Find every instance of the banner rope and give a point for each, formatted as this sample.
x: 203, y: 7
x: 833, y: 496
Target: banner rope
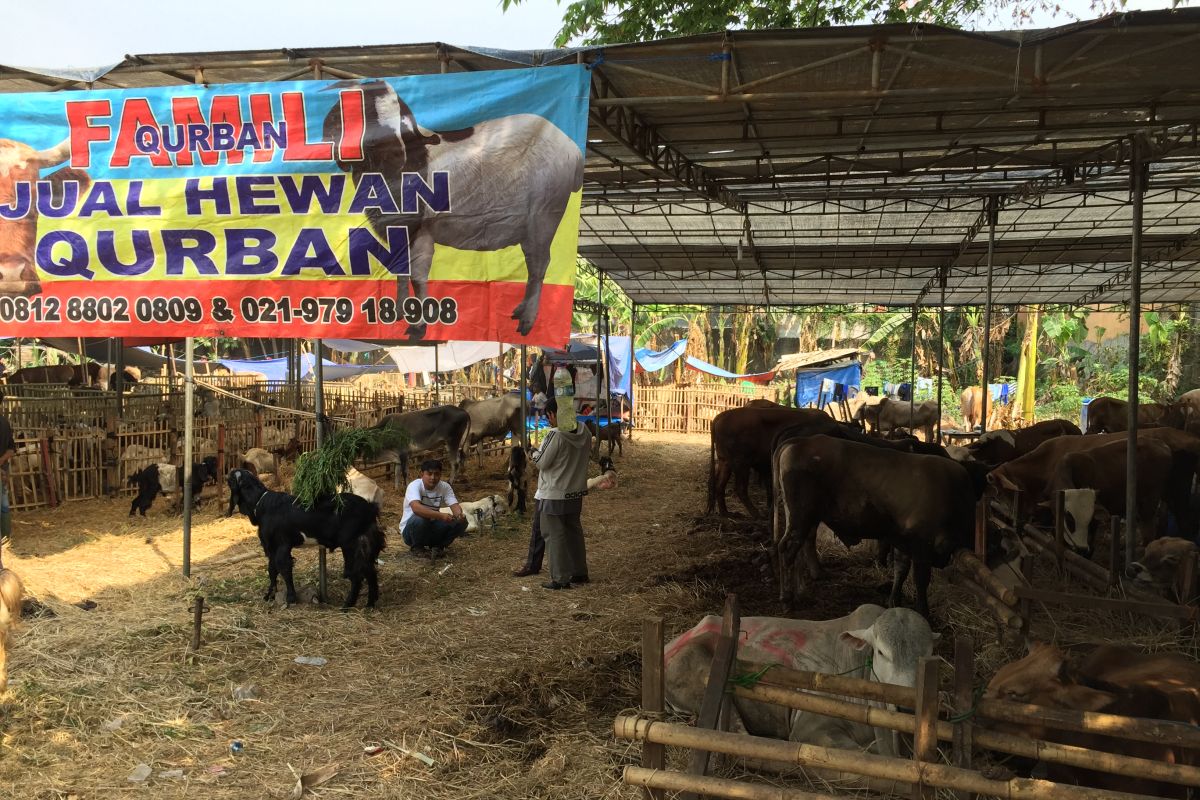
x: 298, y: 412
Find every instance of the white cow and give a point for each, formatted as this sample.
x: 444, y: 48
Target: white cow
x: 488, y: 509
x: 871, y: 643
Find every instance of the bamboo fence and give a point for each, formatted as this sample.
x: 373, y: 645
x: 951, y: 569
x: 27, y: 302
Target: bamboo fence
x: 952, y: 717
x: 690, y: 408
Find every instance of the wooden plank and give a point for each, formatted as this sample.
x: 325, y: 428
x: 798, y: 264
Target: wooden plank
x: 964, y: 706
x: 718, y: 676
x: 1060, y: 530
x: 925, y: 739
x: 1161, y: 610
x: 653, y: 696
x: 1114, y: 552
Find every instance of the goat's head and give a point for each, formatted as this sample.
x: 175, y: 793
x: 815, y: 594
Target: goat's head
x: 606, y: 464
x: 390, y: 135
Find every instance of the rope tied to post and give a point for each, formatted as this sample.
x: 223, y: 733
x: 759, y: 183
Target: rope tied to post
x: 977, y: 695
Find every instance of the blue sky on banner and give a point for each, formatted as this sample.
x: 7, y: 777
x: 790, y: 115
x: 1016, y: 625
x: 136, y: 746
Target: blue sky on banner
x: 438, y: 102
x: 90, y: 33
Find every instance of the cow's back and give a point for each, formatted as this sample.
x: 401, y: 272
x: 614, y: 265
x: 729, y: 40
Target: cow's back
x: 429, y: 427
x: 745, y: 435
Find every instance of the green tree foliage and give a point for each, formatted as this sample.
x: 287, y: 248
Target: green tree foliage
x: 613, y: 21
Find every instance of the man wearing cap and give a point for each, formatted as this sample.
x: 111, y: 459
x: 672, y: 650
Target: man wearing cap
x: 425, y: 529
x: 562, y: 463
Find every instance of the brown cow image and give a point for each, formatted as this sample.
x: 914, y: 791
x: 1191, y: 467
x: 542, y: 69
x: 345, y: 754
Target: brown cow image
x: 18, y: 237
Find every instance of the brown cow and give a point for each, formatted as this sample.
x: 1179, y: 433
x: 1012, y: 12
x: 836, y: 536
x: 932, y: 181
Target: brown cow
x: 1097, y: 477
x: 22, y: 164
x: 1000, y: 446
x: 1110, y: 415
x: 58, y: 373
x: 889, y: 414
x: 1032, y: 472
x: 1113, y: 681
x: 741, y: 440
x: 1160, y: 569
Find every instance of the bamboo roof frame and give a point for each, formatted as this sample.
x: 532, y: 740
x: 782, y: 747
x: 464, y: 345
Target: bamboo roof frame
x: 849, y: 165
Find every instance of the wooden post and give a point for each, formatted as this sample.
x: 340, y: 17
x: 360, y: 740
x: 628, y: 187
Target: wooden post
x: 1187, y: 581
x: 197, y: 619
x: 981, y: 527
x: 221, y: 450
x: 653, y: 755
x: 964, y: 704
x: 1060, y: 529
x: 48, y: 472
x: 1114, y: 552
x: 1130, y: 543
x: 925, y: 740
x: 258, y: 426
x: 714, y: 693
x: 111, y: 466
x: 1024, y: 606
x: 1017, y: 520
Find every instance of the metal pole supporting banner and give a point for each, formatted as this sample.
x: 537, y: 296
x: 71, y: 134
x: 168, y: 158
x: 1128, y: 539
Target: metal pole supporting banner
x: 1137, y: 187
x: 941, y: 359
x: 993, y: 211
x: 912, y: 366
x: 319, y: 408
x: 119, y: 379
x: 437, y: 378
x: 600, y: 364
x: 521, y: 368
x: 632, y: 362
x: 189, y: 418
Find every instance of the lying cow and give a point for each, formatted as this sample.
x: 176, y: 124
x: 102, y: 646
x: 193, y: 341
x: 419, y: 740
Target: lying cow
x: 262, y: 462
x: 1160, y: 569
x: 922, y: 505
x: 488, y: 509
x: 1112, y: 680
x: 1097, y: 477
x: 871, y: 644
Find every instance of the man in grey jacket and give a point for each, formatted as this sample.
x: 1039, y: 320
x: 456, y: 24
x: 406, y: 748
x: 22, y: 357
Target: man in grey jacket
x: 562, y: 463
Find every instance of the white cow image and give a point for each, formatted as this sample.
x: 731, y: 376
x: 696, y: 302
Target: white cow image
x: 872, y: 643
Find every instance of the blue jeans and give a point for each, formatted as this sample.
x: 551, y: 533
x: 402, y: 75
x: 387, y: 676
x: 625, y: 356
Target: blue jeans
x: 420, y: 532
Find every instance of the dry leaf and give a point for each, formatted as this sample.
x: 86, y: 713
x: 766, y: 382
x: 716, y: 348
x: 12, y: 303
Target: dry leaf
x: 313, y: 779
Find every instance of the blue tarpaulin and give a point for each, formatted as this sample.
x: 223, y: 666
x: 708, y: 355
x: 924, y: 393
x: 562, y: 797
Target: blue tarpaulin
x: 651, y: 361
x: 275, y: 369
x: 808, y: 382
x: 713, y: 369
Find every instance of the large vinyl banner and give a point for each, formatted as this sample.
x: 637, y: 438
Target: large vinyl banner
x: 434, y: 207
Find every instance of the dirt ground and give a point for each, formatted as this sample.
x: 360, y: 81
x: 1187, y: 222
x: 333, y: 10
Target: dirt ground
x: 507, y: 688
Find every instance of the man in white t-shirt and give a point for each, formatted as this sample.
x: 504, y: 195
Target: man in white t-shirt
x: 424, y: 526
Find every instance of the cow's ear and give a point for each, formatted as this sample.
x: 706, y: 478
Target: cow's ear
x: 859, y: 640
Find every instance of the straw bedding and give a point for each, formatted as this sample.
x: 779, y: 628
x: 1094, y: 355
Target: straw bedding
x: 509, y: 689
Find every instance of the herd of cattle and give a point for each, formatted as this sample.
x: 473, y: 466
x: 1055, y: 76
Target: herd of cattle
x: 918, y: 500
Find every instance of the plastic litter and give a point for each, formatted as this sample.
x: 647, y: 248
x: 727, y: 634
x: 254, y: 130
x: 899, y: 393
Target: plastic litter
x: 114, y: 724
x: 247, y: 692
x: 312, y: 661
x: 444, y: 569
x: 171, y: 773
x: 140, y: 773
x: 236, y: 746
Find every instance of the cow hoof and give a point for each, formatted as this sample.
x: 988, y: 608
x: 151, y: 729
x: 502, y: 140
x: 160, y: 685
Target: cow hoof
x: 268, y: 597
x: 415, y: 331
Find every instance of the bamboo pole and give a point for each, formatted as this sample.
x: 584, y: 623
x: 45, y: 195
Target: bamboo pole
x: 925, y: 735
x: 968, y: 562
x: 1142, y: 730
x: 653, y: 755
x: 1070, y: 755
x: 715, y: 698
x: 964, y: 704
x: 1003, y: 614
x: 872, y: 766
x: 654, y: 780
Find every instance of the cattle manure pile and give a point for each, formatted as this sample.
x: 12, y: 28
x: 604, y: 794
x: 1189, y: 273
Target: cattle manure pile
x: 465, y: 683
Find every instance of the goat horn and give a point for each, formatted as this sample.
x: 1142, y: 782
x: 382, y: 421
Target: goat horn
x: 54, y: 155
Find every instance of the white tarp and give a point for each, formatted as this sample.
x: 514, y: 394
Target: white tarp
x: 450, y: 356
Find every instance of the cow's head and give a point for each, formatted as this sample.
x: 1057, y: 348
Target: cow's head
x: 1042, y: 678
x: 895, y: 643
x: 391, y: 136
x: 1159, y: 567
x: 20, y: 163
x: 1079, y: 512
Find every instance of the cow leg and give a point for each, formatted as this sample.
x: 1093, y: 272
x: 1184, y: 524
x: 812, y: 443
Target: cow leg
x: 741, y: 487
x: 922, y: 571
x: 537, y: 260
x: 720, y: 484
x: 420, y: 255
x: 901, y: 564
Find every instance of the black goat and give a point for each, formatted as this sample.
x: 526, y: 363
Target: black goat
x: 610, y: 433
x: 210, y: 464
x: 166, y: 479
x: 516, y: 477
x: 283, y: 524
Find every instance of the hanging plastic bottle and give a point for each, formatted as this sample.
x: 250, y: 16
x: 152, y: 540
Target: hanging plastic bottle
x: 564, y: 393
